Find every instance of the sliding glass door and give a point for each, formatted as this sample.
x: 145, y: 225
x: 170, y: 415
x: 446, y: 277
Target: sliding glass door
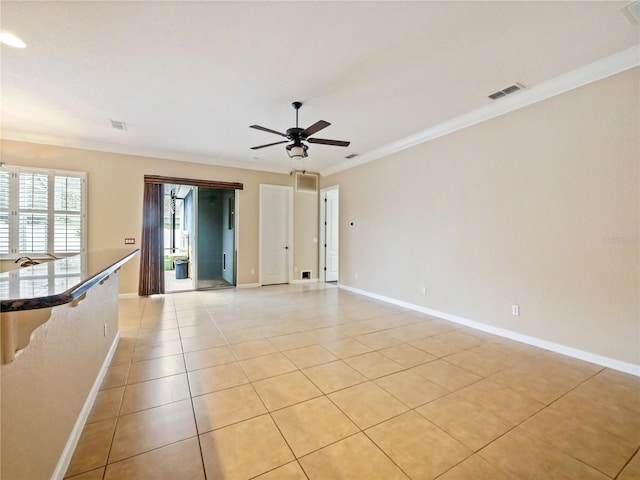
x: 191, y: 241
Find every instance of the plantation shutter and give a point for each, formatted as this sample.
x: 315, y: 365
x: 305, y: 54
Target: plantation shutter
x: 67, y: 214
x: 33, y: 212
x: 42, y: 211
x: 5, y: 243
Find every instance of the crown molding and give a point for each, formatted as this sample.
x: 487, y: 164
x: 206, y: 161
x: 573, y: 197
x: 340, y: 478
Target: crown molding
x: 57, y: 141
x: 617, y: 63
x: 598, y: 70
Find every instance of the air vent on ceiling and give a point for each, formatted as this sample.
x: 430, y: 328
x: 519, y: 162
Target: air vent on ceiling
x: 351, y: 155
x: 506, y: 91
x: 632, y: 12
x: 118, y: 125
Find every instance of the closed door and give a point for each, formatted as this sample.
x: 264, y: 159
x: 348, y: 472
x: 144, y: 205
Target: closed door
x: 332, y: 239
x: 275, y: 233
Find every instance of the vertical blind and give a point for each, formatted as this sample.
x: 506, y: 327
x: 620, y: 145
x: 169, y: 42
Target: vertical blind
x: 151, y: 247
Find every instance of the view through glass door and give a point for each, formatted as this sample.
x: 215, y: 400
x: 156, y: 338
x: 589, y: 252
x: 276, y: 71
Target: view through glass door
x: 215, y: 245
x: 199, y: 238
x: 178, y: 237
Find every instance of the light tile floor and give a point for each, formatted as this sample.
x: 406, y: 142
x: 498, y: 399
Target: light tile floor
x: 313, y: 382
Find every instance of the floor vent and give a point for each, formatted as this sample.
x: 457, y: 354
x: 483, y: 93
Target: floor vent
x: 506, y: 91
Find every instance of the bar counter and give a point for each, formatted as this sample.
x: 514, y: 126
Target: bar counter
x: 58, y: 333
x: 57, y: 282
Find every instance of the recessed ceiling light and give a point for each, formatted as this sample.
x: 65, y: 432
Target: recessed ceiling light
x: 11, y: 40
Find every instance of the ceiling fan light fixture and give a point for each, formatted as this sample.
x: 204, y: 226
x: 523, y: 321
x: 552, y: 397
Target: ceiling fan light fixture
x: 296, y: 152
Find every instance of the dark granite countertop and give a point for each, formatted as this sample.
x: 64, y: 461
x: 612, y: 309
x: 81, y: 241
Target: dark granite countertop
x: 59, y: 281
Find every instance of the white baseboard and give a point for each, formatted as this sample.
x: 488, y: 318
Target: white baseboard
x: 248, y: 285
x: 128, y: 295
x: 306, y: 280
x: 503, y: 332
x: 74, y: 437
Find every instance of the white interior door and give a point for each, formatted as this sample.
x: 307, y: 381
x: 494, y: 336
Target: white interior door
x: 276, y: 233
x: 331, y: 234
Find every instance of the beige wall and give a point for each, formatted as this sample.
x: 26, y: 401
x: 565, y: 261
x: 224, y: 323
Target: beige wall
x: 305, y: 234
x: 539, y: 208
x: 45, y: 388
x: 115, y: 200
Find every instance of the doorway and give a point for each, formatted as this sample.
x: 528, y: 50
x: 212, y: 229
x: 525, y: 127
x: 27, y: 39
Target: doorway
x: 330, y: 234
x: 276, y: 234
x: 215, y: 232
x: 199, y: 238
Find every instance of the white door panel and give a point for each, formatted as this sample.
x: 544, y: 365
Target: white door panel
x: 332, y: 236
x: 275, y: 230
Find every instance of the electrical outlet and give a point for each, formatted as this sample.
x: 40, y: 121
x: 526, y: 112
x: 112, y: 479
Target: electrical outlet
x: 129, y: 241
x: 424, y: 290
x: 356, y: 276
x: 253, y: 271
x: 515, y: 310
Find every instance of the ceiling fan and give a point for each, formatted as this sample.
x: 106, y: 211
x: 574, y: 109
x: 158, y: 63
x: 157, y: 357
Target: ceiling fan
x: 297, y: 136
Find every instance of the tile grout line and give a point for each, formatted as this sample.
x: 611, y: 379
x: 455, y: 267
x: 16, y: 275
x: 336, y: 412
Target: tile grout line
x: 193, y: 410
x: 535, y: 436
x: 260, y: 398
x: 282, y: 321
x: 115, y: 427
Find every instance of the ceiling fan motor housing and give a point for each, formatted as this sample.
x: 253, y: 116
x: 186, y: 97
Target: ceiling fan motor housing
x: 295, y: 133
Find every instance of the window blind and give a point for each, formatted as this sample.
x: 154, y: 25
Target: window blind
x: 42, y: 211
x: 4, y: 212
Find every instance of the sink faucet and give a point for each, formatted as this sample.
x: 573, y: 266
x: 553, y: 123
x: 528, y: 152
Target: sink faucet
x: 26, y: 262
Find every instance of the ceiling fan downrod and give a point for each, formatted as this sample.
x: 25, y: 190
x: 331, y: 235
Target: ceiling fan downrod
x: 297, y: 106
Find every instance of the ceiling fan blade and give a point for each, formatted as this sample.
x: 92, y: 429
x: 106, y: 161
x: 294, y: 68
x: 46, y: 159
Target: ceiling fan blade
x: 268, y: 145
x: 316, y: 127
x: 258, y: 127
x: 336, y: 143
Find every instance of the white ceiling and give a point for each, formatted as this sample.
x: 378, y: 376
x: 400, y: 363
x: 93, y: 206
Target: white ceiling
x: 188, y: 78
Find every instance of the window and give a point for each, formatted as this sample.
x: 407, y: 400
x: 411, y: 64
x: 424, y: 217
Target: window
x: 42, y: 211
